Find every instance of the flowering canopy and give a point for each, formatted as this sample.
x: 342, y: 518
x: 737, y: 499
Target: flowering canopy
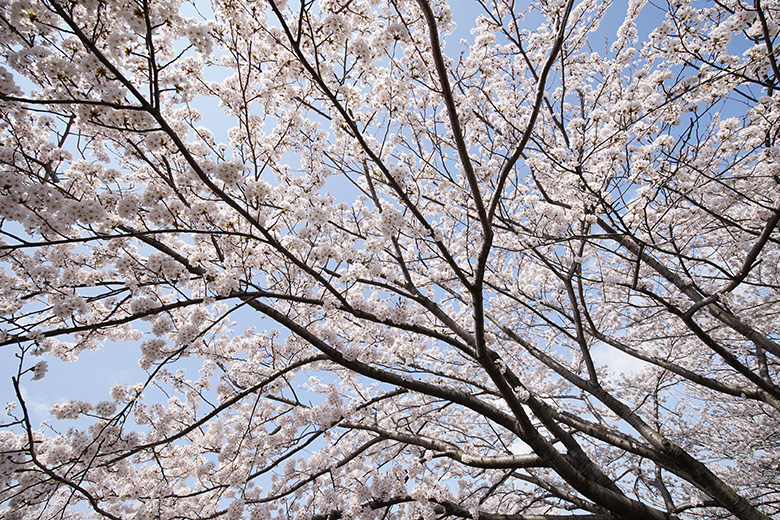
x: 391, y: 279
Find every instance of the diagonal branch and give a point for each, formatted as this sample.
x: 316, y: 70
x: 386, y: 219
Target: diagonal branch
x: 452, y: 114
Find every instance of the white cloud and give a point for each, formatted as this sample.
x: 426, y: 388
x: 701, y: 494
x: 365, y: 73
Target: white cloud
x: 615, y: 360
x: 520, y: 448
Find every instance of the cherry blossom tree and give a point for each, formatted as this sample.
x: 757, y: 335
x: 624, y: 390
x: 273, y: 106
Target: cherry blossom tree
x: 374, y: 271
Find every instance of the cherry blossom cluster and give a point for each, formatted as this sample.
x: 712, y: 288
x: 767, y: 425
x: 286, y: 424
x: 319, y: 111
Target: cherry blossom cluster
x: 387, y: 273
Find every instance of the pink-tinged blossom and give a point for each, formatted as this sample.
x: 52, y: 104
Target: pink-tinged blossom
x: 39, y: 370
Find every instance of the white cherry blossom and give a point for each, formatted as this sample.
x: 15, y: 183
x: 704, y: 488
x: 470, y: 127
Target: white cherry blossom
x: 361, y: 256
